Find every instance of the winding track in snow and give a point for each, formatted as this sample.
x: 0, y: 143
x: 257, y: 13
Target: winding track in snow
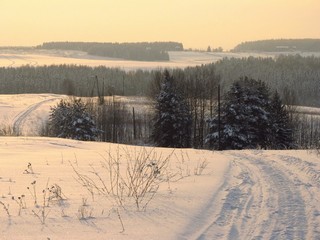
x: 22, y: 116
x: 262, y: 197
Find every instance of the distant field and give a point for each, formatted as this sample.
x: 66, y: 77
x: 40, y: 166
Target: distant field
x: 17, y: 58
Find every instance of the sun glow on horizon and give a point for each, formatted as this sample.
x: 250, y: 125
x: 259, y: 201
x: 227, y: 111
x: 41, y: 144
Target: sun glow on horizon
x: 196, y: 24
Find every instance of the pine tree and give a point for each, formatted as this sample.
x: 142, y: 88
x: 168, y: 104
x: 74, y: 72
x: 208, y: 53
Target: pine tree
x: 71, y: 120
x: 281, y: 126
x: 172, y: 123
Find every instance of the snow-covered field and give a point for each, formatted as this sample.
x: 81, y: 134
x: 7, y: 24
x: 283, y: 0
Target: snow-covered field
x: 239, y: 195
x: 16, y: 58
x: 250, y: 194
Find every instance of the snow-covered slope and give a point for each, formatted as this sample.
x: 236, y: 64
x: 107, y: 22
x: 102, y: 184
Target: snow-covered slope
x: 168, y: 213
x: 239, y: 195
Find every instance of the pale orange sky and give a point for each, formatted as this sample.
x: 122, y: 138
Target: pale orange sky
x: 195, y: 23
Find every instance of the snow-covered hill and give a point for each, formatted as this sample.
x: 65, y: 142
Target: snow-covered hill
x: 239, y: 194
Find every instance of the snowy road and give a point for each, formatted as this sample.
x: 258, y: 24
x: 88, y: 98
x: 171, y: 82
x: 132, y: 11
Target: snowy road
x: 264, y: 196
x: 22, y: 116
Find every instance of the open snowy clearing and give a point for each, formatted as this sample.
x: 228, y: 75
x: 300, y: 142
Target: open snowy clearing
x: 17, y: 58
x: 201, y: 194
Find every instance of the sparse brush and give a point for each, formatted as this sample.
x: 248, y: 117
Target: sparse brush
x: 85, y: 181
x: 6, y: 208
x: 183, y: 165
x: 6, y: 130
x: 84, y: 213
x: 55, y: 193
x: 121, y: 222
x: 134, y: 176
x: 33, y: 193
x: 201, y: 165
x: 84, y: 202
x: 144, y: 175
x: 43, y: 212
x: 29, y: 169
x: 21, y: 203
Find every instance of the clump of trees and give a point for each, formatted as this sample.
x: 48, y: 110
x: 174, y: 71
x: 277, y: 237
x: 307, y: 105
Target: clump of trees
x: 250, y: 119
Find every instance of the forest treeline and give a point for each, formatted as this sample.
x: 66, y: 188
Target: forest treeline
x: 279, y: 45
x: 296, y: 78
x: 73, y: 80
x: 141, y: 51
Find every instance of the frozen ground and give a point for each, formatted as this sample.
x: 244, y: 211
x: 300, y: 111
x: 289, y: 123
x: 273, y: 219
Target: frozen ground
x: 16, y: 58
x: 250, y: 194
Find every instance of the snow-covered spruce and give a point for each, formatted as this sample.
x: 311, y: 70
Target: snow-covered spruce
x: 281, y: 127
x: 70, y: 119
x: 172, y: 123
x: 249, y: 119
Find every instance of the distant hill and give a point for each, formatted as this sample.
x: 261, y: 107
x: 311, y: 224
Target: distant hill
x: 280, y: 45
x: 142, y: 51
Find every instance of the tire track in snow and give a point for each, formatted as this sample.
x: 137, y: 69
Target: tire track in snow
x: 233, y: 211
x: 240, y: 208
x: 260, y: 200
x: 287, y: 216
x: 307, y: 178
x: 22, y: 116
x: 304, y: 167
x: 290, y: 213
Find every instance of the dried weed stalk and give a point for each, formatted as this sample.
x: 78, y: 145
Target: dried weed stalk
x: 128, y: 175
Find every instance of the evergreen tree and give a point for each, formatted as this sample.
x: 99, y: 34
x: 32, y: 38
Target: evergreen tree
x: 281, y: 126
x: 244, y: 118
x: 71, y: 120
x: 172, y: 123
